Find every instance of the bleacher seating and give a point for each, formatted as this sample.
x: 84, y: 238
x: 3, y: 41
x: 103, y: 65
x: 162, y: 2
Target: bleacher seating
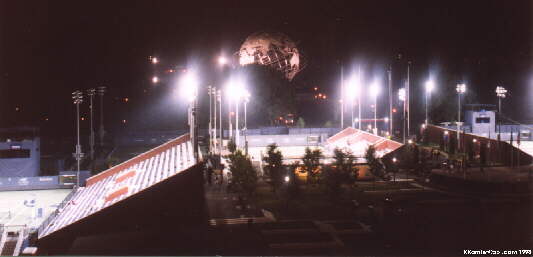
x: 124, y: 180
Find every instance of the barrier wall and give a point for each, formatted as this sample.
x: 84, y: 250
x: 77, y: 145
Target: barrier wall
x: 499, y: 151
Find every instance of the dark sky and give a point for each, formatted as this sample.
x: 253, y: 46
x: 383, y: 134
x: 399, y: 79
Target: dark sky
x: 50, y: 48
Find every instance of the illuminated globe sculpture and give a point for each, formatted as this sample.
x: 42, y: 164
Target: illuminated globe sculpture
x: 272, y: 49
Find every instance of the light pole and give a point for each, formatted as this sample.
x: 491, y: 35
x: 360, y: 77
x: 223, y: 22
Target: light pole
x: 77, y: 96
x: 354, y: 87
x: 101, y: 90
x: 214, y: 96
x: 501, y: 92
x: 401, y: 97
x: 236, y: 90
x: 91, y: 92
x: 429, y: 87
x: 461, y: 89
x: 246, y: 100
x: 210, y: 119
x: 374, y: 91
x: 189, y: 85
x: 219, y: 98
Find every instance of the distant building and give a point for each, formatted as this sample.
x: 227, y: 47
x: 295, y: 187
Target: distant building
x: 19, y: 152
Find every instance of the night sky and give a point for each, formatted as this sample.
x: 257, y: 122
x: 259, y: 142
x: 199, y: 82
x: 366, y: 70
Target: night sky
x: 50, y: 48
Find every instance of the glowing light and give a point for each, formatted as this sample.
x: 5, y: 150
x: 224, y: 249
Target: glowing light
x: 155, y: 60
x: 474, y: 140
x: 386, y: 119
x: 354, y: 87
x: 374, y: 89
x: 287, y: 178
x: 461, y: 88
x: 401, y: 94
x: 235, y: 89
x: 409, y: 141
x: 316, y: 88
x: 189, y: 86
x: 126, y: 99
x: 501, y: 92
x: 124, y: 121
x: 394, y: 110
x: 394, y: 159
x: 446, y: 132
x: 155, y: 79
x: 222, y: 60
x: 82, y: 118
x: 429, y: 86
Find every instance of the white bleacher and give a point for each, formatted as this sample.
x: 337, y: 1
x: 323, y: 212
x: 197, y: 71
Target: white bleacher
x: 148, y: 172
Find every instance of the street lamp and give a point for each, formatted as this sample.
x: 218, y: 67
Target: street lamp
x: 429, y: 87
x: 374, y: 91
x: 189, y: 89
x: 154, y: 60
x: 246, y: 100
x: 461, y: 89
x: 77, y: 97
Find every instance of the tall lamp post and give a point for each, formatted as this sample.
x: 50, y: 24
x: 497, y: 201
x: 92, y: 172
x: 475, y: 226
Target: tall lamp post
x: 189, y: 85
x: 101, y: 90
x: 374, y: 91
x: 219, y: 99
x: 353, y: 91
x: 77, y: 97
x: 501, y: 92
x: 246, y: 100
x: 401, y: 97
x: 461, y: 89
x: 91, y: 92
x: 429, y: 87
x: 236, y: 91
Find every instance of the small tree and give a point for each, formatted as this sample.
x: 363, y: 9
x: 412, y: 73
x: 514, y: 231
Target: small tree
x: 300, y: 123
x: 342, y: 171
x: 274, y: 166
x: 311, y: 161
x: 376, y: 168
x: 232, y: 147
x: 244, y: 176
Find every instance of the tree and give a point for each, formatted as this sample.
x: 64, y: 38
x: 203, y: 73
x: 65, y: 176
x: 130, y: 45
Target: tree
x: 311, y: 161
x: 232, y: 147
x: 343, y: 171
x: 300, y: 123
x: 244, y: 176
x: 274, y: 166
x: 376, y: 168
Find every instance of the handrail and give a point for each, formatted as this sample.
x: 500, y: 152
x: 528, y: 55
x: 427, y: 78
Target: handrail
x: 20, y: 239
x: 54, y: 214
x: 3, y: 240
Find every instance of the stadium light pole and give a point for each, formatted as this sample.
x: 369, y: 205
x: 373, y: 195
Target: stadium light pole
x: 91, y: 92
x: 235, y: 90
x: 401, y: 97
x: 461, y: 89
x: 210, y: 133
x: 101, y: 90
x: 374, y: 91
x: 353, y: 91
x: 246, y: 100
x: 219, y: 99
x: 189, y: 85
x: 501, y: 92
x: 429, y: 87
x: 77, y: 97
